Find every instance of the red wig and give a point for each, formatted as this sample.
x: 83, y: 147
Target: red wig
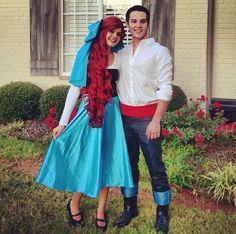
x: 98, y: 89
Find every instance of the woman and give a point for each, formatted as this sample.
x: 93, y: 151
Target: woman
x: 90, y: 154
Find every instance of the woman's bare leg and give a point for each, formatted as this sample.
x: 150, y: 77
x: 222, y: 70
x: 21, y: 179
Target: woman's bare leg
x: 102, y: 199
x: 75, y: 205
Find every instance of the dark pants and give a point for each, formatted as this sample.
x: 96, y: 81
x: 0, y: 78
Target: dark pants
x: 135, y: 129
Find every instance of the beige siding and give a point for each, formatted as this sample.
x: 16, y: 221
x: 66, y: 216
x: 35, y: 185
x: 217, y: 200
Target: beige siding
x: 224, y: 63
x: 15, y: 45
x: 189, y: 56
x: 190, y: 46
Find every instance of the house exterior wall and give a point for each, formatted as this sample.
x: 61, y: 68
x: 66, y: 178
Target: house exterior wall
x: 190, y: 46
x: 224, y: 62
x: 189, y: 53
x: 15, y: 46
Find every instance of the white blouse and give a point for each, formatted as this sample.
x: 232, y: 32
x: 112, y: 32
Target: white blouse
x: 72, y: 97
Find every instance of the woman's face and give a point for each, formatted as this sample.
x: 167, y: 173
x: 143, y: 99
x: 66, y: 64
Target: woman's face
x: 113, y: 37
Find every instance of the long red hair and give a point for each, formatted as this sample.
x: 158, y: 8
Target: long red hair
x: 98, y: 88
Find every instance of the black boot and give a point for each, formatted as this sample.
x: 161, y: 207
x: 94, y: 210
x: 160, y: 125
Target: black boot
x: 162, y: 218
x: 130, y: 211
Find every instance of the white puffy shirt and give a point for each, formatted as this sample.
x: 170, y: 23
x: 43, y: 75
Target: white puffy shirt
x: 146, y: 75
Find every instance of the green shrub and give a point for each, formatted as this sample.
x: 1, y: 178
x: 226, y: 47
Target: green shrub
x: 11, y: 128
x: 19, y: 100
x: 53, y: 97
x: 190, y: 124
x: 221, y: 183
x: 178, y: 99
x: 179, y: 171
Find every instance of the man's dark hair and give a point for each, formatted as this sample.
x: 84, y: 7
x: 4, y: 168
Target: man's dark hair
x: 137, y: 8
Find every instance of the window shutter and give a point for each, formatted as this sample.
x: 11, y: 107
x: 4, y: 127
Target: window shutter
x: 162, y: 21
x: 44, y: 46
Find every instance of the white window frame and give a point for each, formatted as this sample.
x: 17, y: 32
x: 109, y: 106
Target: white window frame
x: 101, y: 14
x: 62, y: 34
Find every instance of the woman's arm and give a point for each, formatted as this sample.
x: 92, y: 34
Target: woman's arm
x: 72, y: 97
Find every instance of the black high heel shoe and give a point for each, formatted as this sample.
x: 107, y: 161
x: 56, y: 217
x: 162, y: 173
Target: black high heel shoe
x: 72, y: 221
x: 101, y: 228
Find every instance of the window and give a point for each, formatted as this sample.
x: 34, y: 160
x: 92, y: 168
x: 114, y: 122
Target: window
x: 76, y: 15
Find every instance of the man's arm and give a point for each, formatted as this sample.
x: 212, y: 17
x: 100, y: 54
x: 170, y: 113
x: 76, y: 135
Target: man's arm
x: 164, y: 93
x: 154, y: 127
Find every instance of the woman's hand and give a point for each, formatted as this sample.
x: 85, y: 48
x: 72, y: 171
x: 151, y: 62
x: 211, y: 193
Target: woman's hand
x: 57, y: 131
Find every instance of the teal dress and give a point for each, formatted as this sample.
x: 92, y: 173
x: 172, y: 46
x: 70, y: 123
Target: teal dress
x: 84, y: 159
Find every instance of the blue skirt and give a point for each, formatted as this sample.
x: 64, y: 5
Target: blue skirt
x: 84, y: 159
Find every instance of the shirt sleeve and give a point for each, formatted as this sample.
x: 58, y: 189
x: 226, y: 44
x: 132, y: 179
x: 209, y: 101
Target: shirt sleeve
x: 72, y: 97
x: 115, y: 64
x: 164, y: 73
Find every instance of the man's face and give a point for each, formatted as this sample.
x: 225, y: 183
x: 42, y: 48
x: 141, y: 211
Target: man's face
x: 138, y: 25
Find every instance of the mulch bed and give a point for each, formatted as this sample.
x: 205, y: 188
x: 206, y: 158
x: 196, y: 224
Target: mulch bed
x: 33, y: 130
x: 222, y: 152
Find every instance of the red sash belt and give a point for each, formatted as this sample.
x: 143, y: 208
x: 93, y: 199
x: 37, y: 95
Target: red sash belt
x: 138, y: 111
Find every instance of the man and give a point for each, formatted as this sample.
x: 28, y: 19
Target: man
x: 144, y: 89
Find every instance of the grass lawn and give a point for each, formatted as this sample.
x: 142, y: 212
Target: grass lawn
x: 11, y: 148
x: 27, y: 207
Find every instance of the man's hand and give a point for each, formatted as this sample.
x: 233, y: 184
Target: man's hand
x: 57, y: 131
x: 153, y: 130
x: 154, y: 127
